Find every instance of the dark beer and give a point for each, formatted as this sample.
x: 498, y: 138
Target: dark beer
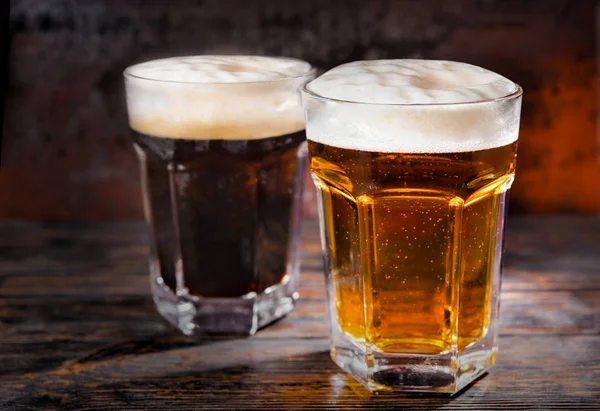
x: 222, y: 150
x: 221, y: 210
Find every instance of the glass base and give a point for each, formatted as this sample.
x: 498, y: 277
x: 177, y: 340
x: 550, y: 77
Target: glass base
x: 443, y: 373
x: 223, y: 316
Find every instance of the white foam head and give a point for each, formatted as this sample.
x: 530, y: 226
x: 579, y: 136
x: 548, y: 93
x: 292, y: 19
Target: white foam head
x: 412, y: 106
x: 217, y: 97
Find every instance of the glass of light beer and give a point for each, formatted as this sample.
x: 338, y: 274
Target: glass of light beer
x: 413, y: 161
x: 222, y: 150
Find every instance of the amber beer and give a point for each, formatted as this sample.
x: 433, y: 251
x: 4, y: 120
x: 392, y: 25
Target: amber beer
x: 413, y: 161
x: 426, y: 228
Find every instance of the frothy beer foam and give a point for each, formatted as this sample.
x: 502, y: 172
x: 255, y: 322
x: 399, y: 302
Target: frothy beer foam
x: 216, y: 97
x: 412, y: 106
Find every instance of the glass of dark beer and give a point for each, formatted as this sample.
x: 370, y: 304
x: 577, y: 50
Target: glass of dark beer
x: 413, y: 161
x: 222, y: 150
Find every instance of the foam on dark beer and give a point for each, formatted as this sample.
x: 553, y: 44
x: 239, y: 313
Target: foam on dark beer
x: 216, y: 97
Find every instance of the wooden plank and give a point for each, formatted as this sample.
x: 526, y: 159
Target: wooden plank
x: 568, y: 310
x: 133, y: 279
x: 539, y: 373
x: 539, y: 313
x: 542, y: 252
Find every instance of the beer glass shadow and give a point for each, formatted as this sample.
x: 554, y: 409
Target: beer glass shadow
x: 144, y: 346
x: 303, y: 379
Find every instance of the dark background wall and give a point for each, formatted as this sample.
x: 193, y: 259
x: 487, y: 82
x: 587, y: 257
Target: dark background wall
x: 67, y: 154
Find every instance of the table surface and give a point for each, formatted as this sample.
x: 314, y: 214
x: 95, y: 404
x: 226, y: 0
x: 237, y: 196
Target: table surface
x: 78, y: 330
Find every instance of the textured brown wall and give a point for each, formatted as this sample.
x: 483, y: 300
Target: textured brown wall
x: 66, y: 151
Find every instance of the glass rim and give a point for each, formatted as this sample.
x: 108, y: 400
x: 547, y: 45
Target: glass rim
x: 311, y: 71
x: 518, y: 92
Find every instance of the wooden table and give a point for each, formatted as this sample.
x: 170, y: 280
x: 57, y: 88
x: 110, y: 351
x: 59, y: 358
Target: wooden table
x: 78, y: 330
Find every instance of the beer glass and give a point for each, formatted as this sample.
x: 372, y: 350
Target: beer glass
x: 412, y: 161
x: 222, y: 151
